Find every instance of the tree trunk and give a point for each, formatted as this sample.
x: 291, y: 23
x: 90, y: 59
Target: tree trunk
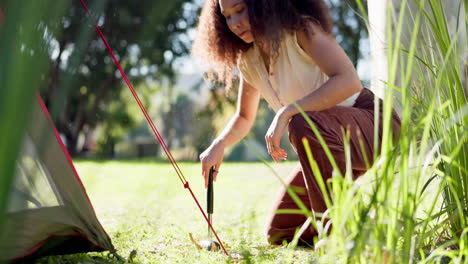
x: 168, y: 128
x: 72, y: 141
x: 55, y: 75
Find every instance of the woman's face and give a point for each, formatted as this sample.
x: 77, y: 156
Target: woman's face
x: 237, y: 18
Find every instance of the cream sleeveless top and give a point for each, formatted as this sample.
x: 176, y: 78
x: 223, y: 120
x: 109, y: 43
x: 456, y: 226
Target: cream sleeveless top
x: 290, y: 77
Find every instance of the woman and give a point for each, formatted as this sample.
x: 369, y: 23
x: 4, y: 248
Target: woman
x: 285, y: 52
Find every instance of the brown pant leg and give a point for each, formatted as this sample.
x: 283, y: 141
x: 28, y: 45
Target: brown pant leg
x: 359, y: 121
x: 283, y: 226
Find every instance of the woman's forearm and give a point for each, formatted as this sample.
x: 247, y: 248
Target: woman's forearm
x: 235, y: 130
x: 334, y: 91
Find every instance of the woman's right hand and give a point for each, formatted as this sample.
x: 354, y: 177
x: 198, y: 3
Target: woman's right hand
x: 212, y: 157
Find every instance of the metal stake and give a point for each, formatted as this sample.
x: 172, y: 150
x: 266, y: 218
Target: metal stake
x: 209, y: 201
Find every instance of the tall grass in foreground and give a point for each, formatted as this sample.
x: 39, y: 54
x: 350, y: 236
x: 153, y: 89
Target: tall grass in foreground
x: 445, y: 59
x: 411, y: 206
x: 23, y: 67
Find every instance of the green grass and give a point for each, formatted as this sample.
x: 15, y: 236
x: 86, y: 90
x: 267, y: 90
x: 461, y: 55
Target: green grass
x: 144, y: 207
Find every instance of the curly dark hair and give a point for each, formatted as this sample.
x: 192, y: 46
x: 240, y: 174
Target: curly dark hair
x: 269, y: 20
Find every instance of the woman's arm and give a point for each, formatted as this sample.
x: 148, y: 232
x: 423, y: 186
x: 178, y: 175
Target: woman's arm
x: 235, y: 130
x: 343, y: 82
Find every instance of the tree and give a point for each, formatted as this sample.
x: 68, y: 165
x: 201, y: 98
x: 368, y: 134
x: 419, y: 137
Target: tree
x: 177, y: 118
x: 349, y: 27
x: 118, y: 120
x: 83, y: 80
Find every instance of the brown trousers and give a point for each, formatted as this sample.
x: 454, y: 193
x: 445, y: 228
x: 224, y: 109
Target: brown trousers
x: 359, y: 120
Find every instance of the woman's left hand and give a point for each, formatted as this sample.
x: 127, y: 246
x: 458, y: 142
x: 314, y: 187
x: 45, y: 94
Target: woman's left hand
x: 273, y: 136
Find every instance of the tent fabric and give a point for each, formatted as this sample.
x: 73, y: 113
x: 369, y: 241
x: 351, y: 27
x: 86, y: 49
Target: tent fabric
x: 48, y: 211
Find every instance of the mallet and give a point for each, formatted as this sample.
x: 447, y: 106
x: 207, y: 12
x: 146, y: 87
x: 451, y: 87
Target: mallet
x: 209, y: 201
x: 210, y: 244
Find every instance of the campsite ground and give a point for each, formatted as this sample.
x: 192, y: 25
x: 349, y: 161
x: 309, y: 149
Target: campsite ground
x: 144, y: 208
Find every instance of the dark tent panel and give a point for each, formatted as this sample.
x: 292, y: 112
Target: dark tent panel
x: 49, y: 212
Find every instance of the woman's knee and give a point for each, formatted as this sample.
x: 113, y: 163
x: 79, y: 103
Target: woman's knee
x: 297, y: 124
x: 276, y: 237
x: 276, y: 233
x: 299, y: 127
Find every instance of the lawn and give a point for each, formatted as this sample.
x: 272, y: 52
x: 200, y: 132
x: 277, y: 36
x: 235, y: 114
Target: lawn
x: 144, y: 208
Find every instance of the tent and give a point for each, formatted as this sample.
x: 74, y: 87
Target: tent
x: 49, y: 212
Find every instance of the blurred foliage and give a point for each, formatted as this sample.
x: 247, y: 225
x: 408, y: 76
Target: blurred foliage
x: 349, y: 27
x: 84, y: 84
x: 118, y: 120
x: 178, y: 120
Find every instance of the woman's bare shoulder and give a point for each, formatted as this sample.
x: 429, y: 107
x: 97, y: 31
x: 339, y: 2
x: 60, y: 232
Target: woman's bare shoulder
x: 310, y: 30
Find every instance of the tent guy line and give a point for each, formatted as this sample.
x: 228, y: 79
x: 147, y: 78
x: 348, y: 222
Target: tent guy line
x: 151, y: 124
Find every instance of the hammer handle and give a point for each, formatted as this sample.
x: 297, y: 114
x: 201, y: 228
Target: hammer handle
x: 209, y: 193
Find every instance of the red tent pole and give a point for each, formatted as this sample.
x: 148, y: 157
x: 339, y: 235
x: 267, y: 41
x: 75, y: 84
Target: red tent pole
x: 150, y: 122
